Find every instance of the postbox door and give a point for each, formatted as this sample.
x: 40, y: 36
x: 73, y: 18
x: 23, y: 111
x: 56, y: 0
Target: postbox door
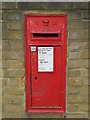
x: 46, y: 64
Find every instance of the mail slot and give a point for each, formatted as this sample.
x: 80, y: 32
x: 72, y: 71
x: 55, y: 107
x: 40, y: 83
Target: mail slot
x: 45, y: 62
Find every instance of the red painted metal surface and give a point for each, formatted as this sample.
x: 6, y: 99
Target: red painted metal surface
x: 47, y: 92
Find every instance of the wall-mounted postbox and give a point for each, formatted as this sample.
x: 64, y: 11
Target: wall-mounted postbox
x: 45, y: 63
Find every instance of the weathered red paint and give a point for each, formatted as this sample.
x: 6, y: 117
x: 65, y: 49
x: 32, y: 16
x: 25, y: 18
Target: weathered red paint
x: 47, y: 94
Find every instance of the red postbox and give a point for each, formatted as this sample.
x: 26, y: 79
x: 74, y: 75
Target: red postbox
x: 45, y: 62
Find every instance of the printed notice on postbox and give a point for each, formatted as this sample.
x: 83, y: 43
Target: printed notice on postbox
x: 45, y: 59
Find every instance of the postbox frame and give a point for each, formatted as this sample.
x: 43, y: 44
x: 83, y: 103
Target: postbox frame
x: 28, y: 65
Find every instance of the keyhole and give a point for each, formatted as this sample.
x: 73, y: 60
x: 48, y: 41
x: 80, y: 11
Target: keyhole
x: 35, y: 77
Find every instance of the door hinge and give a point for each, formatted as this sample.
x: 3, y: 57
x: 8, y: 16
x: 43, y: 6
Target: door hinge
x: 30, y: 83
